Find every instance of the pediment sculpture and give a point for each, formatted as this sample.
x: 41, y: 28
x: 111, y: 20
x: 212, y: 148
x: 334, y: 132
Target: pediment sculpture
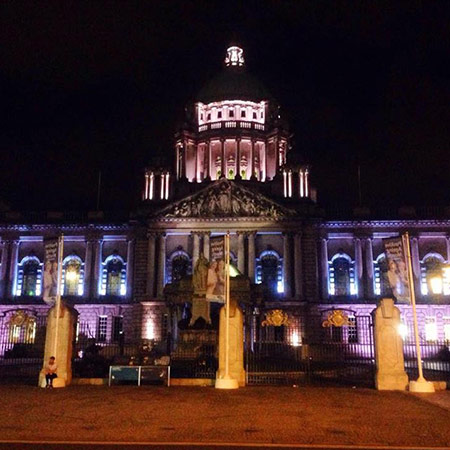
x: 225, y: 198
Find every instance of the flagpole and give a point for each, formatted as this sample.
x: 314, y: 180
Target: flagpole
x: 58, y: 290
x: 421, y: 385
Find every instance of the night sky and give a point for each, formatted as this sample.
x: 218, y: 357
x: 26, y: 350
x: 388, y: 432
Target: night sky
x: 90, y: 86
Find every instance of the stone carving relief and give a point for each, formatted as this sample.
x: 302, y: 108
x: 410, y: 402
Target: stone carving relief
x: 226, y: 199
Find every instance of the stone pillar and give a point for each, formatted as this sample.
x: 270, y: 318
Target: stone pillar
x: 252, y: 163
x: 58, y: 343
x: 298, y: 269
x: 415, y: 262
x: 97, y: 268
x: 222, y: 159
x: 195, y: 248
x: 287, y: 278
x: 208, y: 160
x: 13, y: 268
x: 251, y: 256
x: 241, y: 252
x: 161, y: 265
x: 358, y: 268
x: 238, y: 156
x: 88, y: 269
x: 3, y: 266
x: 390, y: 367
x: 447, y: 242
x: 151, y: 265
x: 206, y: 247
x: 324, y: 267
x: 236, y: 344
x: 183, y: 159
x: 130, y: 267
x: 369, y: 269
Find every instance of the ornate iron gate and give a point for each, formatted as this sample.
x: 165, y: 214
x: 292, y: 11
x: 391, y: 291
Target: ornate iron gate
x: 335, y: 347
x: 22, y: 342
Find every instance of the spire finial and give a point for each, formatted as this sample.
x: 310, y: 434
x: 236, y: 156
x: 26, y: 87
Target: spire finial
x: 235, y: 56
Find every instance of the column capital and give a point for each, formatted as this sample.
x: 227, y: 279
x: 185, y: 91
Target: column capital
x: 250, y: 233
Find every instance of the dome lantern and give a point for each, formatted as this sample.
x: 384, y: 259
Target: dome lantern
x: 235, y: 56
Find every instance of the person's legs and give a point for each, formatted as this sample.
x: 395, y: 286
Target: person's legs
x: 47, y: 379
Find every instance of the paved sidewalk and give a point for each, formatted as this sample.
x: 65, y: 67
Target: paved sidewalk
x: 253, y: 415
x: 440, y: 398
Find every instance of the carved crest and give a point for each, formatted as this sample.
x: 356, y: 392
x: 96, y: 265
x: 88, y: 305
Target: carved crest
x: 276, y: 318
x: 336, y: 318
x: 224, y: 198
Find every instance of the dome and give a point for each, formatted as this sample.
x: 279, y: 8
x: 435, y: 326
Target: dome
x: 234, y: 82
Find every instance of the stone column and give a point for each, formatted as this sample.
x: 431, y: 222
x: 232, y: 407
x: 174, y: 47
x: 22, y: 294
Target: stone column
x: 252, y: 163
x: 97, y: 268
x: 241, y: 252
x: 415, y: 262
x: 195, y: 248
x: 251, y: 256
x: 58, y: 343
x: 287, y: 279
x: 151, y: 265
x: 3, y: 266
x: 130, y: 267
x: 298, y: 269
x: 88, y: 269
x: 208, y: 160
x: 324, y: 267
x: 390, y: 366
x: 358, y: 267
x: 161, y: 265
x: 206, y: 247
x: 369, y: 268
x: 183, y: 159
x: 13, y: 267
x: 222, y: 159
x: 238, y: 156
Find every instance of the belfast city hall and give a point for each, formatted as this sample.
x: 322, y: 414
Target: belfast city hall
x: 306, y: 279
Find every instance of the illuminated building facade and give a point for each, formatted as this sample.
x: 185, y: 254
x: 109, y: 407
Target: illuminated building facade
x: 233, y: 170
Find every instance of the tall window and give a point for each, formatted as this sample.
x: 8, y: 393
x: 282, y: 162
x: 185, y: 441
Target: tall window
x: 117, y: 328
x: 72, y: 278
x: 381, y: 276
x: 342, y: 275
x: 432, y: 275
x: 114, y: 276
x: 269, y: 271
x: 29, y: 277
x: 102, y: 328
x: 179, y: 266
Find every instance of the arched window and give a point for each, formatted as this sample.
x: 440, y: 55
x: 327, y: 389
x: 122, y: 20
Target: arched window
x: 29, y: 277
x: 114, y: 276
x: 382, y: 286
x: 72, y: 276
x: 269, y: 271
x: 342, y: 275
x: 433, y: 279
x: 179, y: 266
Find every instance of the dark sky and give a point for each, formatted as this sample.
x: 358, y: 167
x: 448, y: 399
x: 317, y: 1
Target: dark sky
x: 101, y: 85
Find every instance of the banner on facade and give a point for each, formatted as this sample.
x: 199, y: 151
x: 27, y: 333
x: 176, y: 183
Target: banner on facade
x: 215, y: 282
x: 50, y: 275
x: 397, y: 272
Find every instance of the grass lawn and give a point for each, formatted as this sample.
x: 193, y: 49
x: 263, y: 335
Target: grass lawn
x: 253, y: 414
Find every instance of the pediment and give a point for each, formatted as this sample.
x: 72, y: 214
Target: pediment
x: 225, y: 198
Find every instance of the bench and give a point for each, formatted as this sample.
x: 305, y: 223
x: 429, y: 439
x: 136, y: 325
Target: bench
x: 139, y: 373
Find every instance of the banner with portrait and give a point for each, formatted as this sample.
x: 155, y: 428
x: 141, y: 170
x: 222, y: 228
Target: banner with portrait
x: 215, y: 282
x: 397, y: 266
x: 50, y: 273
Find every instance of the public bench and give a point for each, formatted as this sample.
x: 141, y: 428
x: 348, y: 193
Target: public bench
x: 137, y: 374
